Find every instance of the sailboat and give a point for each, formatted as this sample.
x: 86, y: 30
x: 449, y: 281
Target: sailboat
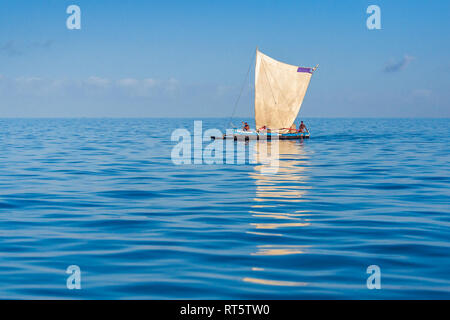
x: 279, y: 92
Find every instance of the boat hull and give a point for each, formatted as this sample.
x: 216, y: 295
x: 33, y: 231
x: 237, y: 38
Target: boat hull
x: 244, y: 135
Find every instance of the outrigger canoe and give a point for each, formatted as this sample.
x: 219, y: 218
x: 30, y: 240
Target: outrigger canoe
x: 279, y: 92
x: 253, y: 135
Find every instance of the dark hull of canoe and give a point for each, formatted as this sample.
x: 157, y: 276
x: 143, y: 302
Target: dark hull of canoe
x: 264, y: 137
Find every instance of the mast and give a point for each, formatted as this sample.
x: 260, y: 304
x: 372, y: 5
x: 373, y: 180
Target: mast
x: 254, y: 87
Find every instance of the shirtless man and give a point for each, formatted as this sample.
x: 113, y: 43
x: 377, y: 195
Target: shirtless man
x: 302, y: 127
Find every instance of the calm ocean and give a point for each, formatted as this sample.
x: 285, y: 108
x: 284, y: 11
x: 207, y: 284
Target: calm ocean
x: 104, y: 194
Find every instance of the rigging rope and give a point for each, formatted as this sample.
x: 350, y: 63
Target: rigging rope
x: 240, y: 93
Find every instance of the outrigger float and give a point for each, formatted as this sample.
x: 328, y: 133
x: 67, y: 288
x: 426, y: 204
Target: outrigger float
x: 279, y: 92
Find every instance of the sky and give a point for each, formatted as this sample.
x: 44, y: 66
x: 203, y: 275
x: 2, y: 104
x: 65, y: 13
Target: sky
x: 172, y: 58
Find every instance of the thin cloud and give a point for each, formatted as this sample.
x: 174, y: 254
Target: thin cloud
x: 42, y: 44
x: 396, y: 66
x: 422, y: 93
x: 145, y: 87
x: 10, y: 48
x: 98, y: 81
x: 131, y: 87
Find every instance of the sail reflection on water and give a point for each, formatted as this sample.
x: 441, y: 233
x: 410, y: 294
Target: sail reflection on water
x: 277, y: 205
x: 285, y: 187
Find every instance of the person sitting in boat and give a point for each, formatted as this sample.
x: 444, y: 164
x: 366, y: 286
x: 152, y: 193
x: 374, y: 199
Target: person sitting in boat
x: 293, y: 129
x: 262, y: 129
x: 302, y: 127
x: 246, y: 127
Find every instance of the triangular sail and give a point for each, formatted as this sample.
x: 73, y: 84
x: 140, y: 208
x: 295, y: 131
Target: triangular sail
x: 279, y: 92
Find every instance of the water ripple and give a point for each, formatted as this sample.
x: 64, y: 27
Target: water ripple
x: 103, y: 194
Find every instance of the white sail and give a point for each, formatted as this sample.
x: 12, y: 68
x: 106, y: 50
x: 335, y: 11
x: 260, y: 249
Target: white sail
x: 279, y: 92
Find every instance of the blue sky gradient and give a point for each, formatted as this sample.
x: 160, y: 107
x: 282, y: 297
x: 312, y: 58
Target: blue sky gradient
x: 189, y: 58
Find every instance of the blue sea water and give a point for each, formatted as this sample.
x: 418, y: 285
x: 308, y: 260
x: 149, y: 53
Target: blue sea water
x: 105, y: 195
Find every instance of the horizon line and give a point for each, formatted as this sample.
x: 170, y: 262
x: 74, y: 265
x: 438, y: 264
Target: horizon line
x: 208, y: 117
